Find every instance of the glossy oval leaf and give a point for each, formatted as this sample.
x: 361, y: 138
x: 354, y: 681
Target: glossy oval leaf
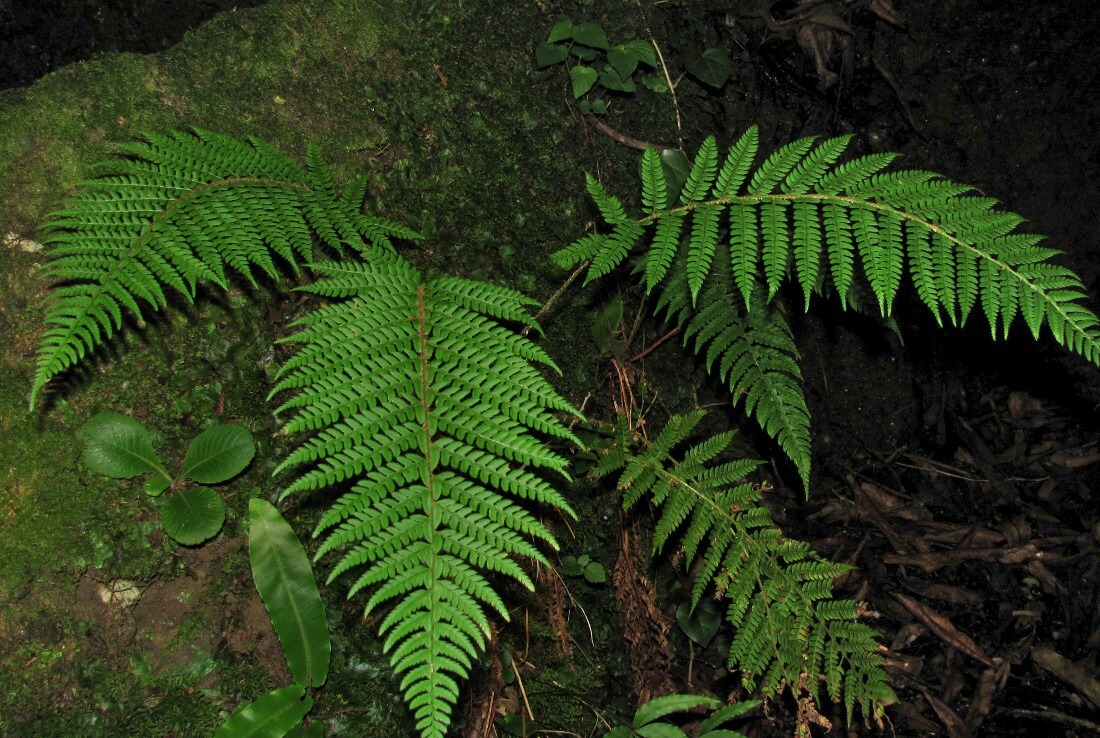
x: 193, y: 515
x: 119, y: 447
x: 272, y: 716
x: 284, y: 579
x: 219, y: 453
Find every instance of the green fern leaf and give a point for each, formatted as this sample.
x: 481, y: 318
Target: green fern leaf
x: 737, y: 164
x: 960, y: 252
x: 789, y: 630
x: 776, y: 167
x: 177, y: 211
x: 703, y: 170
x: 654, y: 186
x: 421, y: 401
x: 752, y: 351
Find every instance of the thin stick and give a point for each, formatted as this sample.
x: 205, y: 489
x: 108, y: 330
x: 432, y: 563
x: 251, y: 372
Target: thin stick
x: 557, y: 294
x: 653, y: 346
x: 522, y: 691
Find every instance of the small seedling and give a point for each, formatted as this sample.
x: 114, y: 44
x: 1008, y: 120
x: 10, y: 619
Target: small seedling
x: 583, y: 565
x: 120, y: 447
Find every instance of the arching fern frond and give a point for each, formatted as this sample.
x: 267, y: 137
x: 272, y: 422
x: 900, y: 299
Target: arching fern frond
x: 431, y: 412
x: 789, y: 631
x: 179, y: 209
x: 800, y: 212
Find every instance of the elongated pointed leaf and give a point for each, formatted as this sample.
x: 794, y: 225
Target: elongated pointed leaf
x: 119, y: 447
x: 193, y: 515
x: 271, y: 716
x: 219, y: 453
x: 658, y: 707
x: 285, y: 581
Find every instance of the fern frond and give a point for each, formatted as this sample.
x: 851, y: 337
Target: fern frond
x: 800, y: 206
x: 801, y: 213
x: 789, y: 629
x: 752, y: 351
x: 429, y: 408
x: 176, y: 210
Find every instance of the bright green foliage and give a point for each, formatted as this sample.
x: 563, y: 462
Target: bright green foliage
x: 193, y: 515
x: 175, y: 211
x: 788, y: 630
x: 120, y: 447
x: 285, y: 582
x: 218, y: 453
x: 801, y: 214
x: 645, y: 723
x: 425, y: 407
x: 271, y: 716
x: 284, y: 579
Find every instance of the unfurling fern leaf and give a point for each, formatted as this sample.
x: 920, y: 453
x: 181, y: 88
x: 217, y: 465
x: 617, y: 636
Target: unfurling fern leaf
x: 802, y: 212
x: 788, y: 629
x: 177, y: 210
x: 430, y: 411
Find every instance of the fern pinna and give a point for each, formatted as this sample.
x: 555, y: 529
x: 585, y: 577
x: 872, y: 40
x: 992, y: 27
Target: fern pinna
x: 799, y: 211
x: 788, y: 629
x: 174, y: 211
x: 429, y: 409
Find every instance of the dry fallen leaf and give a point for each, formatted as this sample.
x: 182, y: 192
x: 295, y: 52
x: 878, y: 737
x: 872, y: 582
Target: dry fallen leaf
x: 944, y: 628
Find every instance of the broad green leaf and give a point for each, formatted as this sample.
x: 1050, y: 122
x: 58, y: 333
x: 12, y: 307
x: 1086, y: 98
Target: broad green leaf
x: 655, y: 83
x: 583, y: 53
x: 271, y: 716
x: 193, y: 515
x: 155, y: 486
x: 119, y: 447
x: 677, y: 170
x: 584, y: 79
x: 658, y: 707
x: 622, y: 61
x: 561, y: 31
x: 607, y: 322
x: 285, y: 582
x: 594, y: 573
x: 571, y: 567
x: 641, y: 50
x: 548, y: 54
x: 591, y: 34
x: 612, y: 80
x: 701, y: 625
x: 712, y: 68
x: 219, y: 453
